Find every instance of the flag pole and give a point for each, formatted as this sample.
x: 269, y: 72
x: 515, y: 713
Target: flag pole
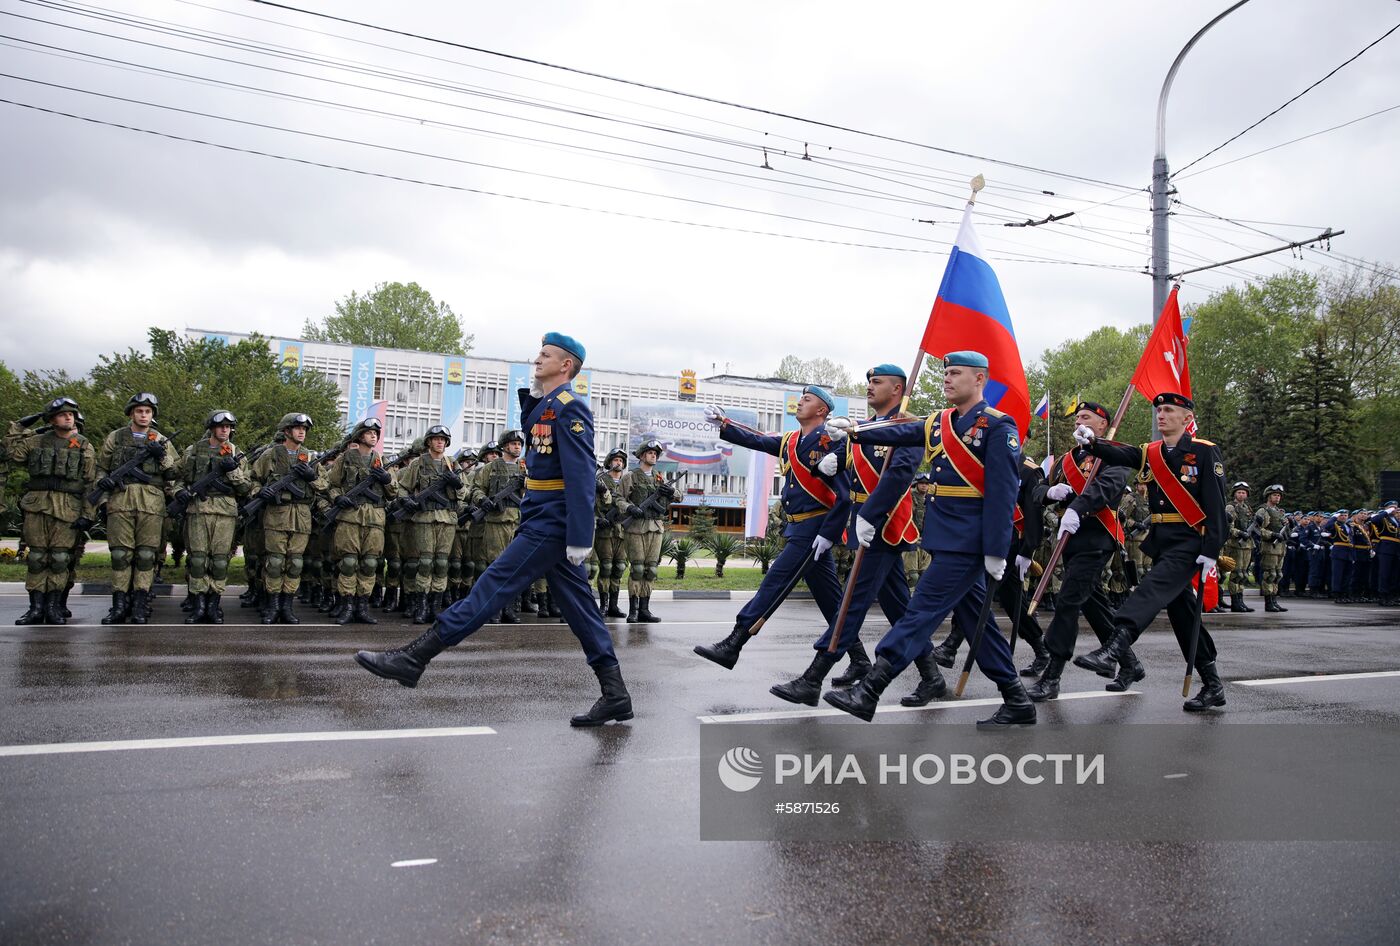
x: 1049, y: 450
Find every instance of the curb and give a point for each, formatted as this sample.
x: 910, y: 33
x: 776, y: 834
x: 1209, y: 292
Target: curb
x: 103, y: 589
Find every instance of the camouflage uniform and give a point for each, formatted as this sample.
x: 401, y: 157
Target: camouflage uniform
x: 1136, y: 517
x: 135, y: 516
x: 498, y: 525
x: 1239, y: 546
x: 1272, y: 525
x: 609, y: 542
x: 286, y: 526
x: 358, y: 538
x: 917, y: 559
x: 644, y: 534
x: 432, y: 524
x: 210, y: 523
x: 459, y: 558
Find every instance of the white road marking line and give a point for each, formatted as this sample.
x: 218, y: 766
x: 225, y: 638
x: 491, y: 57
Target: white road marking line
x: 951, y: 704
x: 1176, y: 775
x: 1319, y: 678
x: 420, y: 862
x: 188, y: 742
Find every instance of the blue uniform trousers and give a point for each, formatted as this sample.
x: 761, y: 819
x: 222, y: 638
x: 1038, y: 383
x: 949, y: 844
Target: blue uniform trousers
x: 1387, y: 574
x: 820, y: 576
x: 881, y: 577
x: 1341, y: 574
x: 529, y: 556
x: 954, y: 583
x: 1297, y: 574
x: 1317, y: 570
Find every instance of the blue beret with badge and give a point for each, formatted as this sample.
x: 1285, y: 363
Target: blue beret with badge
x: 566, y: 342
x: 965, y: 359
x: 887, y: 370
x: 821, y: 394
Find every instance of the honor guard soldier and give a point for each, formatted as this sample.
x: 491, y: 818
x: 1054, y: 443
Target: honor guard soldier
x: 1272, y: 526
x: 609, y: 539
x: 286, y: 519
x: 213, y: 476
x: 1240, y: 545
x: 432, y: 488
x: 555, y: 539
x: 136, y: 469
x: 1337, y: 530
x: 816, y: 517
x: 644, y: 528
x: 359, y: 488
x: 1360, y: 556
x: 975, y: 452
x: 62, y: 467
x: 497, y: 487
x: 1386, y: 527
x: 1186, y: 490
x: 878, y: 481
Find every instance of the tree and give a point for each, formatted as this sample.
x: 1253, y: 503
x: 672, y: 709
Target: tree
x: 823, y: 371
x: 1322, y: 434
x: 1256, y: 448
x: 702, y: 524
x: 393, y: 315
x: 1096, y: 367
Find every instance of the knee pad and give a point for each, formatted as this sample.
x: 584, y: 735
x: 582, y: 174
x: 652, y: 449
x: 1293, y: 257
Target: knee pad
x: 294, y: 565
x: 649, y: 573
x: 60, y: 560
x: 440, y: 566
x: 197, y: 563
x: 392, y: 567
x: 38, y: 561
x: 592, y: 570
x: 273, y: 566
x: 604, y: 566
x: 618, y: 570
x: 410, y: 569
x: 349, y: 565
x: 218, y: 567
x: 121, y: 559
x: 638, y: 570
x: 145, y: 558
x: 369, y: 566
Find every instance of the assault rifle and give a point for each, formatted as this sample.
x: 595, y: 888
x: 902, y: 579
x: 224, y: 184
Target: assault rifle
x: 407, y: 506
x: 357, y: 495
x: 651, y: 507
x: 202, y: 487
x: 288, y: 483
x: 507, y: 495
x: 613, y: 515
x: 127, y: 472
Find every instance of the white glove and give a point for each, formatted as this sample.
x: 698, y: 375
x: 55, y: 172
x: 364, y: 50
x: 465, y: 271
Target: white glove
x: 1084, y: 435
x: 1206, y: 563
x: 838, y: 427
x: 828, y: 464
x: 714, y: 415
x: 1023, y: 566
x: 577, y: 554
x: 1069, y: 523
x: 865, y: 532
x: 996, y: 567
x: 1058, y: 492
x: 819, y: 546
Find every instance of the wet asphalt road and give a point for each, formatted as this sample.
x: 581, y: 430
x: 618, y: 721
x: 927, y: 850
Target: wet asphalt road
x: 546, y: 834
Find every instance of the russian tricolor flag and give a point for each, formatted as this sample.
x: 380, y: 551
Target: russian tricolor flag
x: 970, y: 314
x: 1042, y: 410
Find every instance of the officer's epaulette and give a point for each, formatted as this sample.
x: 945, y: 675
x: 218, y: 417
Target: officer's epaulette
x: 1208, y: 443
x: 1027, y: 461
x: 993, y: 411
x: 565, y: 397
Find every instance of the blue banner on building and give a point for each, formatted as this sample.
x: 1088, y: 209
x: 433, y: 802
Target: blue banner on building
x: 583, y: 384
x: 289, y: 356
x: 453, y: 395
x: 361, y: 393
x: 518, y: 377
x: 221, y: 339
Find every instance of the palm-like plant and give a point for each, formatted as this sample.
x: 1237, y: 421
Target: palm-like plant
x: 766, y: 549
x: 721, y: 546
x: 680, y: 551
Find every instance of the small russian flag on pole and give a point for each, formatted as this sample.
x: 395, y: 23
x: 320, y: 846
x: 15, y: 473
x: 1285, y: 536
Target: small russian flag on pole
x: 1042, y: 410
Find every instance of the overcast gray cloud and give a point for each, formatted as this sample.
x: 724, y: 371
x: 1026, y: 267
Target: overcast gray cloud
x: 104, y: 232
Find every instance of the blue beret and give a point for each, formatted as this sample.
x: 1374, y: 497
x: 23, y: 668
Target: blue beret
x: 566, y: 342
x: 821, y: 394
x: 887, y: 370
x: 965, y: 359
x: 1389, y: 502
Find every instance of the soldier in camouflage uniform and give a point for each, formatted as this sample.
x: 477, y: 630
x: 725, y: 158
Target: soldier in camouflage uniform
x: 1136, y: 517
x: 644, y: 532
x: 62, y: 466
x: 358, y: 537
x: 251, y: 538
x: 609, y: 539
x: 459, y: 559
x: 1272, y: 525
x: 432, y: 488
x: 286, y: 520
x: 135, y: 507
x: 210, y: 522
x: 917, y: 559
x: 475, y: 562
x: 1050, y: 522
x: 400, y: 561
x: 502, y: 517
x: 1239, y: 544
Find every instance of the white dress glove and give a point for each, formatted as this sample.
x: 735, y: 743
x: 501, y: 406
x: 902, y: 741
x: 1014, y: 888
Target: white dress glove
x: 1084, y: 435
x: 1206, y: 563
x: 820, y: 545
x: 577, y: 554
x: 865, y: 532
x: 1069, y: 522
x: 714, y: 415
x: 1058, y: 492
x: 838, y: 427
x: 1023, y: 566
x: 996, y: 567
x: 828, y: 464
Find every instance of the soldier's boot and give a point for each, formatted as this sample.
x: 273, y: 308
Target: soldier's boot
x: 63, y: 601
x: 328, y: 604
x: 376, y: 597
x: 403, y: 664
x: 140, y: 606
x: 1130, y: 671
x: 391, y: 598
x: 931, y: 684
x: 303, y: 593
x: 726, y: 652
x: 632, y: 608
x: 644, y: 615
x: 602, y: 603
x: 860, y: 700
x: 189, y: 603
x: 508, y: 615
x: 403, y: 604
x: 945, y: 653
x: 436, y: 605
x: 615, y: 702
x: 1271, y: 604
x: 1237, y: 604
x: 121, y: 607
x: 858, y: 667
x: 1212, y: 691
x: 1041, y: 661
x: 285, y: 613
x: 527, y: 603
x: 249, y: 598
x: 213, y: 608
x: 418, y: 607
x: 53, y: 608
x: 1048, y: 686
x: 1016, y: 708
x: 551, y: 610
x: 1104, y: 661
x: 360, y: 611
x: 613, y: 610
x: 199, y: 611
x: 344, y: 612
x: 267, y: 608
x: 36, y: 612
x: 808, y: 687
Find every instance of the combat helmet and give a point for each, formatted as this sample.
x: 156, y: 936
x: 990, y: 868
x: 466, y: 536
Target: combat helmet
x: 144, y: 399
x: 649, y: 444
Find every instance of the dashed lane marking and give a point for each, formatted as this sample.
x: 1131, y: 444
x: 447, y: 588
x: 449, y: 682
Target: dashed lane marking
x: 1319, y: 678
x: 191, y: 742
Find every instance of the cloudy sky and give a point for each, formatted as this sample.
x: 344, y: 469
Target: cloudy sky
x: 696, y: 235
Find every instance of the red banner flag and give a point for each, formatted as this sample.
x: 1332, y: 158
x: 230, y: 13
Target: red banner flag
x: 1163, y: 364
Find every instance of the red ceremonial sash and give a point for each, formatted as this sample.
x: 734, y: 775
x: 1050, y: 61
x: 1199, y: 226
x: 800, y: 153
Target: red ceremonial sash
x: 959, y: 454
x: 1176, y: 494
x: 1018, y: 519
x: 1076, y: 479
x: 809, y: 481
x: 899, y: 527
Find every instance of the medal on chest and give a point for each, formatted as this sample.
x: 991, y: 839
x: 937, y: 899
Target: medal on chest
x: 542, y: 435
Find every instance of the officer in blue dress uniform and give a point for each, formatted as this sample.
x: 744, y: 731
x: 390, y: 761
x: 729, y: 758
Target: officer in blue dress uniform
x: 1337, y: 530
x: 1317, y: 557
x: 967, y: 531
x: 1386, y: 526
x: 882, y: 522
x: 816, y: 513
x: 554, y: 539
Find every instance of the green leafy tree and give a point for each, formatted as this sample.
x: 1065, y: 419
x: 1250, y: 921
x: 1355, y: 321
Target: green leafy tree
x: 1322, y: 433
x: 393, y: 315
x: 823, y: 371
x: 1256, y: 447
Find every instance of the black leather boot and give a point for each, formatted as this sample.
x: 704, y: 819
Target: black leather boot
x: 613, y: 610
x: 140, y: 607
x: 390, y: 598
x: 189, y: 603
x: 404, y: 664
x: 1048, y: 686
x: 726, y: 652
x: 284, y: 609
x: 1041, y: 661
x: 1212, y: 690
x: 632, y: 608
x: 436, y: 605
x: 808, y: 687
x: 1016, y: 708
x: 53, y: 608
x: 1104, y: 661
x: 858, y: 667
x: 199, y: 611
x: 359, y: 611
x: 550, y: 609
x: 63, y: 601
x: 860, y: 700
x: 35, y: 614
x: 328, y: 603
x: 417, y: 607
x: 213, y: 608
x: 615, y: 703
x: 945, y: 653
x: 267, y: 607
x: 249, y: 598
x: 1237, y: 604
x: 121, y: 607
x: 344, y: 611
x: 508, y: 616
x: 602, y: 602
x: 1130, y: 671
x: 1271, y: 604
x: 931, y: 685
x: 644, y: 615
x: 527, y: 603
x: 376, y: 597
